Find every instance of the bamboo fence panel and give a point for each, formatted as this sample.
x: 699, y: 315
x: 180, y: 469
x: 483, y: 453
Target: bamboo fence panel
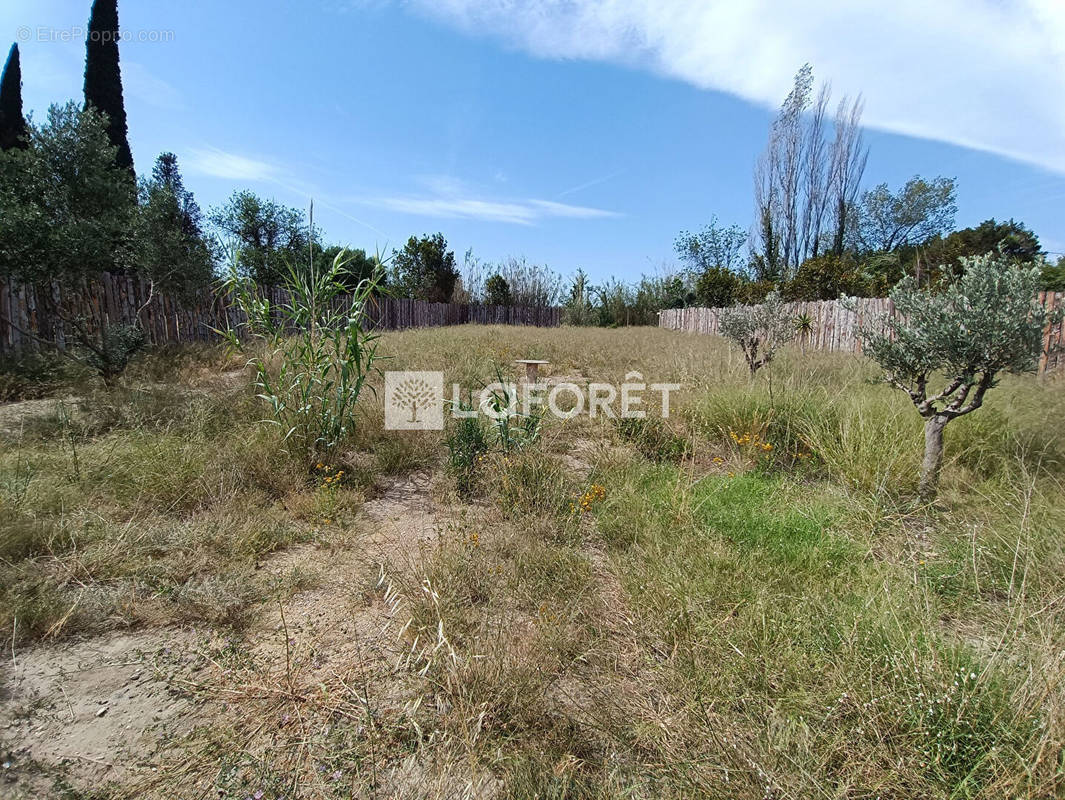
x: 33, y: 316
x: 836, y: 329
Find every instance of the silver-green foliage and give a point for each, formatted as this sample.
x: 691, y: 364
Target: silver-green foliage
x: 759, y: 331
x: 316, y: 352
x: 982, y: 324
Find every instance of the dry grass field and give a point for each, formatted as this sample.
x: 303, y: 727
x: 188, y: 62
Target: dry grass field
x: 744, y: 601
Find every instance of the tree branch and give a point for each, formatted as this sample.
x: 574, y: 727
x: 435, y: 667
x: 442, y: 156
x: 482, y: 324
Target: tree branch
x: 929, y: 404
x: 62, y: 351
x: 151, y: 294
x: 987, y: 380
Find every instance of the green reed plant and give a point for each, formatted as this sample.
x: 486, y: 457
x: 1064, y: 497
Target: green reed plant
x: 467, y: 444
x: 514, y: 430
x: 316, y: 348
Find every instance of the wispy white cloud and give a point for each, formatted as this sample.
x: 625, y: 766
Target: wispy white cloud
x: 234, y: 166
x: 449, y: 197
x: 456, y: 207
x: 222, y: 164
x: 985, y: 74
x: 519, y: 212
x: 553, y: 209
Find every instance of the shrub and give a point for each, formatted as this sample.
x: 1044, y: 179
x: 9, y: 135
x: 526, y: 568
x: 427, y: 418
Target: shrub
x: 826, y: 277
x: 111, y: 351
x: 716, y: 287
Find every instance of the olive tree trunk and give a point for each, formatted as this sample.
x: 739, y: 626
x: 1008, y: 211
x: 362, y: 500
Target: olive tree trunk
x: 933, y: 457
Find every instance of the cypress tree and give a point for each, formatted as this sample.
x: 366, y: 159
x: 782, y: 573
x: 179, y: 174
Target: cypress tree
x: 103, y: 78
x: 12, y: 123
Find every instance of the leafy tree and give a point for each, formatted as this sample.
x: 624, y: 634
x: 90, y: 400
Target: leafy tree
x: 358, y: 266
x: 759, y: 331
x: 752, y: 292
x: 1012, y: 239
x: 713, y: 259
x: 269, y: 235
x: 667, y: 291
x: 651, y: 295
x: 497, y: 291
x: 919, y: 211
x: 716, y: 287
x: 1052, y: 277
x: 883, y: 270
x: 103, y: 77
x: 13, y: 130
x: 766, y: 263
x: 981, y: 324
x: 618, y: 303
x: 170, y: 246
x: 712, y: 247
x: 166, y: 174
x: 425, y: 269
x: 65, y: 209
x: 826, y: 277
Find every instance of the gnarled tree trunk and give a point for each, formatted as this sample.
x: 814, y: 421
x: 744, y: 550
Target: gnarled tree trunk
x: 933, y: 456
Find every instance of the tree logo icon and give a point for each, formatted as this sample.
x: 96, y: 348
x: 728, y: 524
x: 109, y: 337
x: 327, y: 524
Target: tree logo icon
x: 414, y: 401
x: 415, y: 394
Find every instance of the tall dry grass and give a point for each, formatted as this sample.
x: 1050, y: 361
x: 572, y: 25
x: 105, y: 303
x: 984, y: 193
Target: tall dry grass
x: 746, y: 600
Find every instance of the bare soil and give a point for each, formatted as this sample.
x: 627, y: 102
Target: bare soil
x: 111, y: 708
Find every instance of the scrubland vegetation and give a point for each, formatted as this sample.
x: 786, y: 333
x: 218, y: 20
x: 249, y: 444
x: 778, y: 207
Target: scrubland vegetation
x: 745, y: 600
x: 758, y: 597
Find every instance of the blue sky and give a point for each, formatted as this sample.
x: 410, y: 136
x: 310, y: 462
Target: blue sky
x: 571, y: 132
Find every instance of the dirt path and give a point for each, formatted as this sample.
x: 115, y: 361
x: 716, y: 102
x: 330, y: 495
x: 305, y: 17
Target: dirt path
x: 90, y: 709
x: 111, y: 708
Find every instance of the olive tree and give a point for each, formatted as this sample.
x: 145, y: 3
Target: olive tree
x: 759, y: 331
x: 960, y: 338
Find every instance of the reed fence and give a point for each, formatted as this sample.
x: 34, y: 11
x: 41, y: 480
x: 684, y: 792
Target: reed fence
x: 43, y: 315
x: 836, y: 328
